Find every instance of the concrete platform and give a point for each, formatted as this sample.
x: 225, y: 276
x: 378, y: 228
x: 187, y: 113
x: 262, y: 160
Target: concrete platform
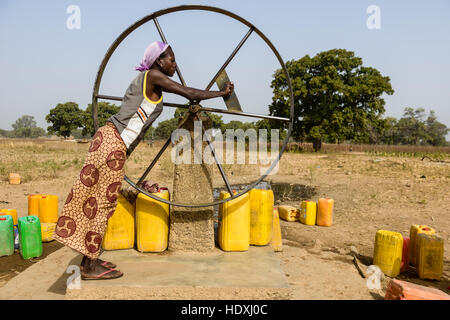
x: 254, y: 274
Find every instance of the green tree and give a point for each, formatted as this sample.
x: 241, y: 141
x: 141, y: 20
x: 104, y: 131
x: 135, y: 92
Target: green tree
x: 411, y: 128
x: 436, y: 131
x: 24, y: 122
x: 165, y: 128
x: 150, y: 134
x: 217, y: 122
x: 104, y: 111
x: 335, y: 97
x: 390, y: 131
x: 25, y: 127
x: 269, y: 125
x: 64, y: 118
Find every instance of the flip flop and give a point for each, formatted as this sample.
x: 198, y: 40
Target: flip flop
x: 104, y: 264
x: 100, y: 276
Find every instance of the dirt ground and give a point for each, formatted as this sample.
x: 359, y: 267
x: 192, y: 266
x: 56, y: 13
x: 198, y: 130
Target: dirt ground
x: 370, y: 192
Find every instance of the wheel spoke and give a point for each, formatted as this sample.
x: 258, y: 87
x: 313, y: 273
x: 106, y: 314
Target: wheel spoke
x: 163, y: 38
x: 230, y: 58
x: 166, y: 144
x: 244, y: 114
x: 222, y: 173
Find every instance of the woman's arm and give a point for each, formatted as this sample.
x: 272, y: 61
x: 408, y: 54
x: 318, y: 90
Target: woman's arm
x: 158, y: 79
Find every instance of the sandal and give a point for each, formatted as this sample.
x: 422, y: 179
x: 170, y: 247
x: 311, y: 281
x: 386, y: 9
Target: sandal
x: 105, y: 264
x: 101, y: 275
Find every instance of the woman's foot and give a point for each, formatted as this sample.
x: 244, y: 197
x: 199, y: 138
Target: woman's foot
x: 106, y: 264
x: 92, y: 269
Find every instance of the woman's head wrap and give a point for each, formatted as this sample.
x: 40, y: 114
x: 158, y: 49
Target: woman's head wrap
x: 153, y: 51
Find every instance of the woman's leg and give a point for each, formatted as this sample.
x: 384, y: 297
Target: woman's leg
x: 92, y: 201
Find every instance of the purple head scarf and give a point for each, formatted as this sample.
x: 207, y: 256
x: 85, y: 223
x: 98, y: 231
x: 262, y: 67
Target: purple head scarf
x: 153, y: 51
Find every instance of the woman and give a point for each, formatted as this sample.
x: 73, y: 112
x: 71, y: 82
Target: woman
x: 93, y: 198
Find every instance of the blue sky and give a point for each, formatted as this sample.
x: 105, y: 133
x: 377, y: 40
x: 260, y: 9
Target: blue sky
x: 44, y: 63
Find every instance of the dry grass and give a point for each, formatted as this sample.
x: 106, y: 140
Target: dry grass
x: 371, y: 148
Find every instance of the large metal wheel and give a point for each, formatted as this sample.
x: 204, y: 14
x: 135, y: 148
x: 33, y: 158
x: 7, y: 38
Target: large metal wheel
x: 196, y: 108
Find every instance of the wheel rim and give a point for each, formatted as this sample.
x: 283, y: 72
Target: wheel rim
x: 154, y: 16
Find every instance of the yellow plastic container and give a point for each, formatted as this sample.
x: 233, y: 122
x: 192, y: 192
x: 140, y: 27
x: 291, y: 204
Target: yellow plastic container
x: 261, y: 212
x: 288, y: 213
x: 152, y: 222
x: 10, y: 212
x: 234, y: 223
x: 48, y: 208
x: 388, y: 252
x: 276, y: 243
x: 414, y: 231
x: 120, y: 230
x: 33, y: 204
x: 308, y: 213
x: 430, y: 256
x: 47, y: 230
x: 325, y: 212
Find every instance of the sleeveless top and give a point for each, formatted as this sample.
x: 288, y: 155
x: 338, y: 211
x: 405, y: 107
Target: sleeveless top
x: 136, y: 114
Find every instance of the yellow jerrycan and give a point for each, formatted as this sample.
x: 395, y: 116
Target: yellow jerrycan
x: 234, y: 223
x: 388, y: 252
x: 261, y: 212
x: 308, y: 213
x: 47, y: 231
x: 413, y: 232
x: 33, y: 204
x: 276, y: 243
x: 120, y: 230
x: 325, y: 212
x: 10, y: 212
x: 152, y: 222
x: 48, y: 208
x: 430, y: 256
x: 288, y: 213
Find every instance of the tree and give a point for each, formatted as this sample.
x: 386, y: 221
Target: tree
x: 104, y: 111
x: 24, y: 122
x: 436, y: 131
x: 217, y: 122
x: 150, y: 134
x: 165, y: 128
x: 335, y: 97
x: 25, y: 127
x: 390, y: 131
x: 64, y: 118
x: 411, y: 127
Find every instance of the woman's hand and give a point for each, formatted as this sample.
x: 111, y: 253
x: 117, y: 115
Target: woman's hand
x: 228, y: 90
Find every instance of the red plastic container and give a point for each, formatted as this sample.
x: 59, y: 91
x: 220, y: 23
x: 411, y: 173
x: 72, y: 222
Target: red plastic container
x: 405, y: 255
x: 402, y: 290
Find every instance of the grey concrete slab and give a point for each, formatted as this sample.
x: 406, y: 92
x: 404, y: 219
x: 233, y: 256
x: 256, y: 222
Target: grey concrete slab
x: 253, y: 274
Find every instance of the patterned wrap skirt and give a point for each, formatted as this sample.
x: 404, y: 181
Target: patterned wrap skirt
x: 93, y: 197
